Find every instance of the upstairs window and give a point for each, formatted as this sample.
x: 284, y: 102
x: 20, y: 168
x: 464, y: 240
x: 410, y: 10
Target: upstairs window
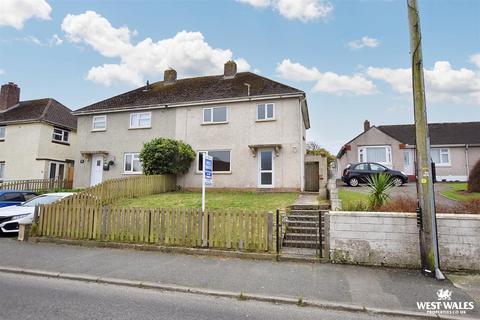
x: 215, y: 115
x: 99, y: 123
x: 441, y: 156
x: 61, y: 135
x: 2, y: 133
x: 140, y: 120
x: 265, y: 111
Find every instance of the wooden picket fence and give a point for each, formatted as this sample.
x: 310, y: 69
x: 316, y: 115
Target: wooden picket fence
x: 222, y: 229
x: 36, y: 185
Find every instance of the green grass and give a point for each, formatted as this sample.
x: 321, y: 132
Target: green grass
x: 352, y: 199
x: 214, y: 200
x: 458, y: 191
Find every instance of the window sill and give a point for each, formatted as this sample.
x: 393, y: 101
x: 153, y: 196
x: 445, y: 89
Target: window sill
x: 213, y: 123
x: 199, y: 173
x: 265, y: 120
x: 99, y: 130
x: 444, y: 165
x: 139, y: 128
x: 61, y: 142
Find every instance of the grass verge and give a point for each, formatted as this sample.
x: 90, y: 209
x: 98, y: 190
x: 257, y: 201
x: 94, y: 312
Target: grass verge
x: 458, y: 191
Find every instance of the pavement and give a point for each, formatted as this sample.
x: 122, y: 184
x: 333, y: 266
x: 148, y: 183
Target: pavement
x: 343, y: 285
x: 27, y: 297
x: 407, y: 190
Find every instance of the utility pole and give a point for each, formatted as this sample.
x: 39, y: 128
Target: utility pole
x: 425, y: 192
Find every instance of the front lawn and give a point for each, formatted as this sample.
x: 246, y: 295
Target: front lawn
x: 352, y: 200
x: 214, y: 200
x: 458, y: 191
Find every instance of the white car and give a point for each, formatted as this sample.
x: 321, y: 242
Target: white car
x: 10, y: 217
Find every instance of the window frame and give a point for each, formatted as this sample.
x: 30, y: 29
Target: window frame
x: 2, y: 170
x: 362, y: 154
x: 211, y: 116
x: 94, y: 120
x: 4, y: 130
x: 213, y: 170
x: 138, y: 126
x: 266, y: 113
x: 442, y: 151
x: 133, y: 154
x: 63, y: 133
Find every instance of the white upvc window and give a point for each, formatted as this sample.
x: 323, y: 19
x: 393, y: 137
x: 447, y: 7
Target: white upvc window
x: 2, y: 170
x: 215, y: 115
x: 221, y: 160
x: 99, y: 123
x: 140, y: 120
x: 61, y: 135
x: 132, y: 163
x: 2, y: 132
x: 265, y: 111
x: 440, y: 156
x: 378, y: 154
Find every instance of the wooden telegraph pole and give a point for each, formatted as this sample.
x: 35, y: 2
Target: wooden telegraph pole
x: 425, y: 192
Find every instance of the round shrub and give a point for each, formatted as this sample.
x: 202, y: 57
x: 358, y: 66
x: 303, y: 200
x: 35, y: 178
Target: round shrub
x: 474, y: 178
x: 166, y: 156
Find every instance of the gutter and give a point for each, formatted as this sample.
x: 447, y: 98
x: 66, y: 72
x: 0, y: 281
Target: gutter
x: 191, y: 103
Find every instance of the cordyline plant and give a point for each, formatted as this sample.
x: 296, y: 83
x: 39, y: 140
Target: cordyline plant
x: 380, y: 186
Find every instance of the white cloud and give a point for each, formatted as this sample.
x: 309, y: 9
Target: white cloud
x: 14, y: 13
x: 257, y: 3
x: 475, y: 59
x: 187, y: 52
x: 364, y: 42
x: 303, y: 10
x: 443, y: 83
x: 30, y: 39
x: 328, y: 82
x: 55, y: 40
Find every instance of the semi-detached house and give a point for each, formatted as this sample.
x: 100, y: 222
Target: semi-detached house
x: 253, y: 127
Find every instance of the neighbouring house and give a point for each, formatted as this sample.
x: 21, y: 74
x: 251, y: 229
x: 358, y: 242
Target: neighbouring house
x: 455, y: 148
x: 37, y: 137
x: 253, y: 127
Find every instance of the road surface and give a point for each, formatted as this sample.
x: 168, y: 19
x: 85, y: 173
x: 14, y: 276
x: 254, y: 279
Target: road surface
x: 31, y: 297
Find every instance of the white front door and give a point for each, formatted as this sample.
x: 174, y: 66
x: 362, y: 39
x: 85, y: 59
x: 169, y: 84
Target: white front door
x: 97, y: 169
x: 266, y: 174
x: 408, y: 161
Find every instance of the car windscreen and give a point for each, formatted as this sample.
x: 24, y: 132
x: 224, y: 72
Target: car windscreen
x: 47, y: 199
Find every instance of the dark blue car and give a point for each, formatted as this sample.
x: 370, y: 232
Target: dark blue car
x: 14, y: 197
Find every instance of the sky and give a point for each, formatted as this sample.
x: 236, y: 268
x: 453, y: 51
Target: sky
x: 351, y: 57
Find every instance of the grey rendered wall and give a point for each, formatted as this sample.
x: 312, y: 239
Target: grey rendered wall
x: 391, y: 239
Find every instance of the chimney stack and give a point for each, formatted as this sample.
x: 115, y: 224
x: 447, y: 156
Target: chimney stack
x: 366, y: 126
x: 170, y: 76
x: 9, y: 96
x: 229, y: 69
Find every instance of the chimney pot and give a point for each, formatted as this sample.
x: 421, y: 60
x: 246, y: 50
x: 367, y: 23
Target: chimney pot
x: 229, y: 69
x: 9, y: 95
x: 170, y: 76
x: 366, y: 126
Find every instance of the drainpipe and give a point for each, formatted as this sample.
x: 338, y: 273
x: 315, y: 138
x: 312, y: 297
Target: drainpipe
x: 466, y: 161
x: 302, y: 151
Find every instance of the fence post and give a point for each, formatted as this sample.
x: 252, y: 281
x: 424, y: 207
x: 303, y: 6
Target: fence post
x: 270, y: 231
x: 277, y: 226
x: 104, y: 223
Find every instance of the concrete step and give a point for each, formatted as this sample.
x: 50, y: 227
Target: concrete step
x: 302, y: 229
x: 305, y: 212
x: 302, y: 237
x: 305, y: 207
x: 299, y: 244
x: 302, y: 217
x: 302, y: 223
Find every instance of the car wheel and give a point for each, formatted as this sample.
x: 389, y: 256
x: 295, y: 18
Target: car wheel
x: 397, y: 181
x: 353, y: 182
